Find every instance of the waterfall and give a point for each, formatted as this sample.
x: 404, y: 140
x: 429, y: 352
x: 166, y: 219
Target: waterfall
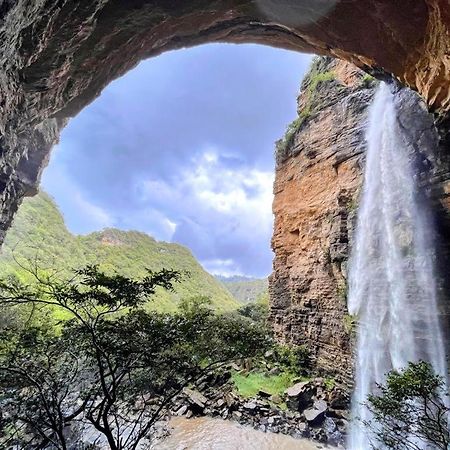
x: 392, y: 285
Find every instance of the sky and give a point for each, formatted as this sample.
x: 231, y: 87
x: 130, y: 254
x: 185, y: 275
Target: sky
x: 181, y: 147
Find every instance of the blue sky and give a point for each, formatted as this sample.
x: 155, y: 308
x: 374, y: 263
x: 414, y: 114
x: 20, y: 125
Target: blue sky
x: 181, y: 147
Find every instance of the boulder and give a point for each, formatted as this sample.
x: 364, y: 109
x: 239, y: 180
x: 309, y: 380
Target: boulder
x: 299, y: 396
x: 195, y: 398
x: 314, y: 416
x: 230, y: 400
x: 250, y: 406
x: 182, y: 410
x: 320, y: 405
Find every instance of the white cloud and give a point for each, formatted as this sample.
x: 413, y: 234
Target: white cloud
x: 224, y: 214
x: 224, y: 267
x: 97, y: 216
x: 243, y: 192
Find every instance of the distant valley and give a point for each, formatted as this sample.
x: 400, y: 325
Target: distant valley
x: 40, y: 234
x: 247, y: 289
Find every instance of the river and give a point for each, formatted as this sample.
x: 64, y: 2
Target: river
x: 215, y: 434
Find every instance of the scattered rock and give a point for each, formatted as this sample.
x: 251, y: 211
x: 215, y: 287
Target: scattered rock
x: 299, y: 396
x: 195, y: 397
x: 338, y: 399
x: 236, y: 415
x: 264, y: 394
x: 310, y: 416
x: 181, y: 411
x: 250, y: 406
x: 314, y: 416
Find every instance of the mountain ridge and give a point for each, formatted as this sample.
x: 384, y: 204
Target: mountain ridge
x: 40, y: 233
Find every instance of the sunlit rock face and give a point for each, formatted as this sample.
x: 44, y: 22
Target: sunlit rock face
x: 319, y: 174
x: 56, y: 56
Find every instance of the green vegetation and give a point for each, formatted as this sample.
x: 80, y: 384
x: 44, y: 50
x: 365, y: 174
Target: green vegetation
x: 123, y: 363
x: 248, y: 385
x: 411, y: 407
x: 291, y: 358
x: 342, y: 291
x: 39, y: 234
x: 330, y: 383
x: 350, y: 323
x: 257, y: 312
x: 283, y: 144
x: 353, y: 204
x: 247, y: 289
x: 367, y: 81
x: 311, y: 83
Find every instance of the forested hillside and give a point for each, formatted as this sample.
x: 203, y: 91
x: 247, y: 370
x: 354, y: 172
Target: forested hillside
x: 246, y: 289
x: 39, y: 233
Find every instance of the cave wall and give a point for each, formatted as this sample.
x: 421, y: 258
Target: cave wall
x: 319, y: 173
x: 57, y: 55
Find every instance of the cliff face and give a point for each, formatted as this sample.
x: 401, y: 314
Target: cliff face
x: 57, y: 55
x: 319, y: 172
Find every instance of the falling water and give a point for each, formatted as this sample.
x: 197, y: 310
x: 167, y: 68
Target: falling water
x: 392, y: 287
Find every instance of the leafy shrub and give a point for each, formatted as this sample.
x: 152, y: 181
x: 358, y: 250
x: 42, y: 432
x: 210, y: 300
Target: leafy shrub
x: 257, y: 312
x: 294, y: 359
x: 410, y: 411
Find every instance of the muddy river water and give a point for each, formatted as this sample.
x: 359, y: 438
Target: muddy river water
x: 215, y: 434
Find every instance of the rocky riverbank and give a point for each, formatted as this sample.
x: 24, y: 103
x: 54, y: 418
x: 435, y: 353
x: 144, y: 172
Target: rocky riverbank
x: 308, y: 409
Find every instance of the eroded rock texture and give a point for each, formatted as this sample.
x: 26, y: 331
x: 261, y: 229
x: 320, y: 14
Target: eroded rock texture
x: 57, y: 55
x: 319, y: 172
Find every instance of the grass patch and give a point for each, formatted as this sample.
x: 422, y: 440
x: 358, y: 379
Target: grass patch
x: 248, y: 385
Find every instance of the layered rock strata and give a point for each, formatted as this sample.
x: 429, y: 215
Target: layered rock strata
x: 319, y: 173
x: 57, y: 55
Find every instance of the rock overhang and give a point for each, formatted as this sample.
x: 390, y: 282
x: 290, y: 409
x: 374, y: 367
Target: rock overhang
x: 57, y: 56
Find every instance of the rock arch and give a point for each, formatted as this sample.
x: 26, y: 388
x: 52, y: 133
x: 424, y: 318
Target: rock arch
x: 57, y: 55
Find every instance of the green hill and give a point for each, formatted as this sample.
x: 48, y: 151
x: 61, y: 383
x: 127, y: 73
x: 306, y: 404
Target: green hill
x: 246, y: 289
x: 39, y: 232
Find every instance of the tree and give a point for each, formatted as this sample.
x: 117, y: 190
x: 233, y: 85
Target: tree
x: 110, y: 365
x: 258, y: 312
x: 411, y: 410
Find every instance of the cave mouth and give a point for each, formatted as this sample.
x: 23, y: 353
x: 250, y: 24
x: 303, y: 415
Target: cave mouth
x: 181, y: 147
x: 59, y: 57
